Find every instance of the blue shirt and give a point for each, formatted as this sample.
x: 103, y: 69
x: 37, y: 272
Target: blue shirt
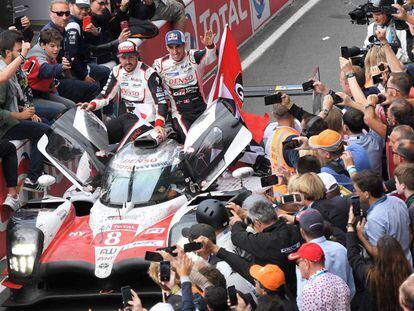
x: 361, y: 162
x: 336, y: 262
x: 389, y: 215
x: 373, y: 144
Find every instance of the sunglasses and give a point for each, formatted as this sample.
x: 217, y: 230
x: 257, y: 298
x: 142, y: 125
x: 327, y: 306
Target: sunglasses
x: 61, y: 13
x: 103, y: 3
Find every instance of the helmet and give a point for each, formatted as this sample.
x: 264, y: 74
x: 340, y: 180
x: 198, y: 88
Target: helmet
x: 212, y: 212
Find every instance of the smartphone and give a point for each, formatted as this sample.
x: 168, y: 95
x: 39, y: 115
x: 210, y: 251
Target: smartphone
x: 86, y: 20
x: 270, y: 180
x: 345, y: 52
x: 356, y: 205
x: 153, y: 256
x: 290, y: 198
x: 308, y: 85
x: 66, y: 55
x: 18, y: 22
x: 336, y: 99
x: 193, y: 246
x: 231, y: 291
x: 377, y: 79
x: 168, y: 249
x: 292, y: 144
x: 124, y: 25
x: 381, y: 98
x: 165, y: 271
x: 126, y: 295
x: 381, y: 67
x: 273, y: 99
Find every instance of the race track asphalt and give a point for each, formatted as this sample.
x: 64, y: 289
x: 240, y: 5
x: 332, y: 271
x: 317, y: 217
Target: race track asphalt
x: 314, y: 40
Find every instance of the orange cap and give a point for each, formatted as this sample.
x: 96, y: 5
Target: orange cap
x: 270, y: 276
x: 327, y: 140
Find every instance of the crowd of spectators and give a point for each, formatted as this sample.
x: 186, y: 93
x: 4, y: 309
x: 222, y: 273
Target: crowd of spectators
x: 335, y: 232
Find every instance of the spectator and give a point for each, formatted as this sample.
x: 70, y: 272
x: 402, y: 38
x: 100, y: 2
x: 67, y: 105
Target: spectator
x: 73, y: 89
x: 382, y: 278
x: 77, y: 48
x: 404, y: 151
x: 330, y: 147
x: 43, y: 69
x: 336, y: 261
x: 308, y: 164
x: 324, y: 290
x: 103, y: 46
x: 15, y: 124
x: 313, y: 191
x: 386, y: 215
x: 171, y: 11
x: 183, y: 82
x: 404, y: 178
x: 271, y: 303
x: 397, y: 133
x: 216, y: 298
x: 232, y: 278
x: 372, y: 143
x: 213, y: 213
x: 11, y: 69
x: 142, y: 100
x: 407, y: 294
x: 270, y: 281
x: 9, y: 164
x: 334, y: 120
x: 384, y: 19
x: 274, y: 239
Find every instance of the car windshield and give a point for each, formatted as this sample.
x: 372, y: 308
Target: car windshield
x: 143, y: 176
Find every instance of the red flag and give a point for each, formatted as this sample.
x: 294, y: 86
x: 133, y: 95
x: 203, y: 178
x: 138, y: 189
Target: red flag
x: 229, y: 84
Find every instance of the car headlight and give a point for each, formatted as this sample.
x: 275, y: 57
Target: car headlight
x: 24, y: 247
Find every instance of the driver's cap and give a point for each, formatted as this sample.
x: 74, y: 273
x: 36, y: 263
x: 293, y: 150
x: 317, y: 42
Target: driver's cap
x: 127, y: 48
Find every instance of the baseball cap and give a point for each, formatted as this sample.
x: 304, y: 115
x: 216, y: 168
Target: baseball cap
x: 311, y: 221
x: 127, y: 47
x: 310, y: 251
x: 81, y: 3
x: 174, y: 37
x: 197, y: 230
x: 270, y: 276
x: 329, y: 181
x: 327, y: 140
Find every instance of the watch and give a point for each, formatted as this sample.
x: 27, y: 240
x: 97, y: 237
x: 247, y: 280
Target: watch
x: 325, y: 111
x: 349, y: 75
x: 369, y: 105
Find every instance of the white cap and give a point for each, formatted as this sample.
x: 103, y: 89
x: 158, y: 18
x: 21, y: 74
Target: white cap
x: 328, y: 180
x: 82, y: 3
x: 161, y: 306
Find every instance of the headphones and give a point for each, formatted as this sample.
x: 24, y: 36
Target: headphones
x: 306, y: 131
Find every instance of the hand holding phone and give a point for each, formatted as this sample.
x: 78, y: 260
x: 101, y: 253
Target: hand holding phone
x: 308, y: 85
x: 273, y: 99
x: 270, y: 180
x: 192, y: 247
x: 126, y: 295
x: 124, y: 25
x: 18, y: 22
x: 345, y: 52
x: 153, y: 256
x: 86, y: 21
x: 231, y: 291
x: 165, y: 271
x: 356, y: 205
x: 290, y: 198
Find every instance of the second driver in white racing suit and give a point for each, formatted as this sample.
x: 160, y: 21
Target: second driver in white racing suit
x: 141, y: 92
x: 182, y: 75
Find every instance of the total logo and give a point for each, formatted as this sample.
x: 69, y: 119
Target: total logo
x: 259, y: 6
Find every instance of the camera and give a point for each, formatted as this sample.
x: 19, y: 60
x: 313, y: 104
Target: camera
x: 356, y: 54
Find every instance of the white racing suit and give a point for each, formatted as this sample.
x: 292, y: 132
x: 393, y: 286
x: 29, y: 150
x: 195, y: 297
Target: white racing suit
x: 143, y: 95
x: 184, y: 82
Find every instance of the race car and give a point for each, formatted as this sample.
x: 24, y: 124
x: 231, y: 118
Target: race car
x: 71, y: 247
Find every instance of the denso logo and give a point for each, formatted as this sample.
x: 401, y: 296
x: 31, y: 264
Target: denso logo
x: 130, y: 93
x: 259, y: 6
x: 176, y: 81
x: 227, y: 14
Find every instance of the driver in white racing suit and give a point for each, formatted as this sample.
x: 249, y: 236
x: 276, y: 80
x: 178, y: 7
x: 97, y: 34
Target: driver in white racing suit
x: 141, y: 91
x: 182, y: 75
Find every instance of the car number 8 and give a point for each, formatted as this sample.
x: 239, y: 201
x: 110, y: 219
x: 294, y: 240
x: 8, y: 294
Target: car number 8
x: 113, y: 238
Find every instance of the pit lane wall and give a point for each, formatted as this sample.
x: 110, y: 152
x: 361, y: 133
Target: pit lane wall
x: 245, y: 17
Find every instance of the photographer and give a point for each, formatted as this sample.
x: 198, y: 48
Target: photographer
x: 384, y: 19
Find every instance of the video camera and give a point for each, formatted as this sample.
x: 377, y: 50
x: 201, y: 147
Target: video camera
x: 356, y: 54
x: 363, y: 13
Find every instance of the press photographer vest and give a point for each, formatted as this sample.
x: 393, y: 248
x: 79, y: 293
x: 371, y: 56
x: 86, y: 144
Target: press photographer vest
x: 392, y: 31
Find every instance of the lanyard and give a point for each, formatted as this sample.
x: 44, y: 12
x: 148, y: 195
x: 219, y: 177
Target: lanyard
x: 317, y: 274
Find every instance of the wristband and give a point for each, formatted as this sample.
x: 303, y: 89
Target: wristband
x: 351, y: 170
x: 349, y: 75
x: 22, y: 57
x: 369, y: 105
x: 325, y: 111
